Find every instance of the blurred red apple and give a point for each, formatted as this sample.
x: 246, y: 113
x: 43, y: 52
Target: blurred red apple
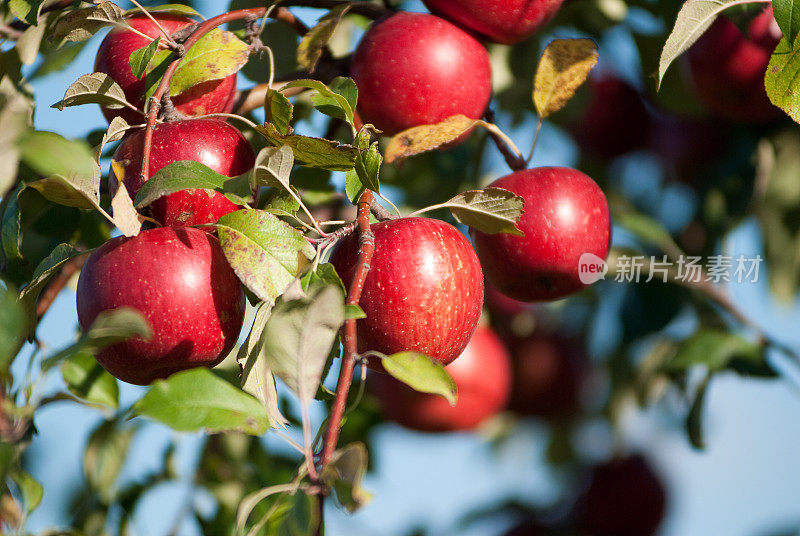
x: 728, y: 68
x: 113, y: 58
x: 508, y: 22
x: 211, y: 142
x: 566, y: 216
x: 424, y: 290
x: 625, y: 497
x: 179, y: 280
x: 482, y: 376
x: 615, y: 120
x: 549, y: 371
x: 415, y: 69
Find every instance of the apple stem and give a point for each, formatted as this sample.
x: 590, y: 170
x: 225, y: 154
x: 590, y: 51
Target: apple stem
x: 535, y: 139
x: 510, y: 153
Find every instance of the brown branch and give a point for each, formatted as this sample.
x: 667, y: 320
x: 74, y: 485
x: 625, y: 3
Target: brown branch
x: 367, y: 9
x: 365, y: 251
x: 57, y: 284
x: 380, y: 212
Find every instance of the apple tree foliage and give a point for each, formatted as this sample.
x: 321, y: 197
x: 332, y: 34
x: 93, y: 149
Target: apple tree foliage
x: 55, y: 208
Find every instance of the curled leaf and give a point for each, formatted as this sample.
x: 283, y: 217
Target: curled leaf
x: 564, y: 66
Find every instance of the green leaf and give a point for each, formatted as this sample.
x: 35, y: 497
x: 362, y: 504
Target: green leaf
x: 715, y: 349
x: 493, y: 210
x: 309, y: 51
x: 345, y: 474
x: 344, y: 86
x: 31, y: 39
x: 314, y: 152
x: 299, y: 335
x: 421, y: 373
x: 265, y: 252
x: 694, y: 18
x: 49, y: 154
x: 109, y: 327
x: 198, y: 399
x: 353, y: 187
x: 26, y: 10
x: 105, y: 455
x: 30, y: 489
x: 191, y: 175
x: 140, y: 58
x: 248, y: 504
x: 55, y: 60
x: 217, y: 55
x: 354, y: 312
x: 95, y: 88
x: 170, y: 9
x: 368, y: 167
x: 694, y: 419
x: 273, y: 167
x: 650, y: 231
x: 278, y: 111
x: 781, y: 79
x: 87, y: 380
x: 257, y: 378
x: 11, y: 230
x: 325, y: 273
x: 12, y: 327
x: 41, y: 276
x: 328, y: 101
x: 16, y: 112
x: 302, y: 519
x: 82, y: 24
x: 787, y: 14
x: 280, y: 202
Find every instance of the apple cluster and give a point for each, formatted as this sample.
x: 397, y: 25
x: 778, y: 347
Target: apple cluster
x: 425, y: 287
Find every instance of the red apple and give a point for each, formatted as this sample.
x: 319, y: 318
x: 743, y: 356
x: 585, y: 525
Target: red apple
x: 548, y: 374
x: 113, y: 58
x: 415, y: 69
x: 566, y: 215
x: 615, y: 120
x: 526, y: 528
x: 625, y: 497
x: 211, y: 142
x: 179, y: 280
x: 728, y: 68
x: 687, y: 146
x: 508, y: 22
x: 483, y: 378
x: 424, y: 289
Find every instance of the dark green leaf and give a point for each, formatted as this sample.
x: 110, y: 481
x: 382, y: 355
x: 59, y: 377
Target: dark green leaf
x: 694, y: 420
x: 368, y: 167
x: 108, y: 328
x: 44, y: 271
x: 303, y: 516
x: 310, y: 49
x: 314, y: 152
x: 278, y: 111
x: 12, y: 327
x: 191, y: 175
x: 492, y: 210
x: 105, y: 454
x: 332, y: 103
x: 140, y: 58
x: 714, y: 349
x: 787, y: 14
x: 248, y: 504
x: 299, y: 335
x: 345, y: 474
x: 30, y: 489
x: 265, y: 252
x: 86, y: 379
x: 353, y: 186
x: 81, y: 24
x: 171, y: 9
x: 421, y: 373
x: 198, y: 399
x: 26, y: 10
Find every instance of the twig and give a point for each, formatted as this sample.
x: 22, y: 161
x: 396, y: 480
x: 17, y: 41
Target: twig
x: 379, y: 212
x: 365, y: 251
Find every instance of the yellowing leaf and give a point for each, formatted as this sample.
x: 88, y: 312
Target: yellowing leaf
x: 564, y: 66
x: 424, y: 138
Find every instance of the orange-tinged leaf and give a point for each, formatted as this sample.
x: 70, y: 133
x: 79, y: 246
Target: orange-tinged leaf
x: 564, y: 66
